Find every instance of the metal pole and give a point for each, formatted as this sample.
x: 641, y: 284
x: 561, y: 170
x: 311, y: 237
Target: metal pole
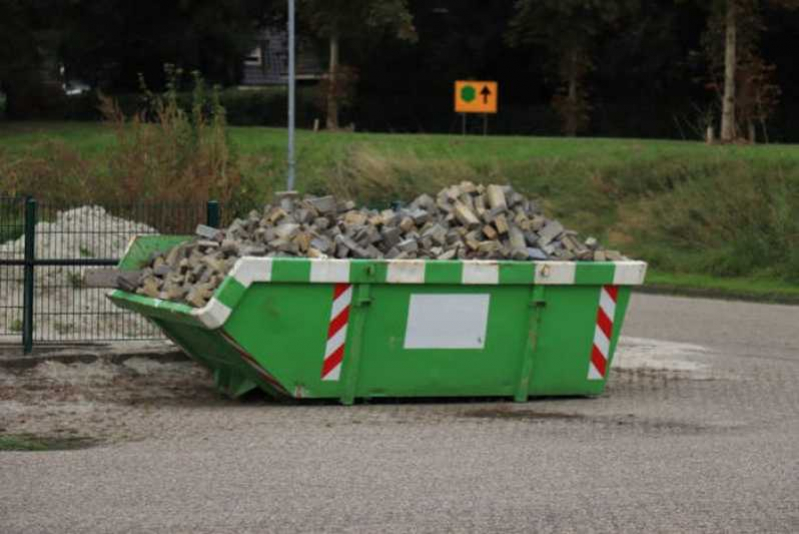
x: 212, y: 214
x: 463, y: 123
x: 30, y: 257
x: 292, y: 96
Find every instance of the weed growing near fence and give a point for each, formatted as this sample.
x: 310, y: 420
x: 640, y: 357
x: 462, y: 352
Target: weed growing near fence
x: 168, y: 155
x: 161, y: 154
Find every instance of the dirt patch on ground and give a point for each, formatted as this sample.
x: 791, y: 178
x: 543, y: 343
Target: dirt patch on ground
x: 99, y: 401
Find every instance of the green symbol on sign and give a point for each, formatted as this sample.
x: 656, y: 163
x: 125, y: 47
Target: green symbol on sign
x: 468, y: 94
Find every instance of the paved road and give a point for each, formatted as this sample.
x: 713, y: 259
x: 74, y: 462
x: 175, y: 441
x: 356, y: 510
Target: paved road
x: 699, y: 431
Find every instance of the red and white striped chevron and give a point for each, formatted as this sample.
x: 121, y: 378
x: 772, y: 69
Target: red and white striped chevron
x: 337, y: 332
x: 600, y: 352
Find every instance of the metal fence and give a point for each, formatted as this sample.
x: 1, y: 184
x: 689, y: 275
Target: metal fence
x: 45, y: 250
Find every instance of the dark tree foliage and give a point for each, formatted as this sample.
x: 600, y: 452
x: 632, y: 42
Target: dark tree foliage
x: 29, y: 32
x: 110, y: 42
x: 633, y: 67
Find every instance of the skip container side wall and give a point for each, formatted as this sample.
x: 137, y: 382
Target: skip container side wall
x: 536, y: 338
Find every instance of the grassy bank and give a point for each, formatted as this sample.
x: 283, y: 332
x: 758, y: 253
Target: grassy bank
x: 722, y: 218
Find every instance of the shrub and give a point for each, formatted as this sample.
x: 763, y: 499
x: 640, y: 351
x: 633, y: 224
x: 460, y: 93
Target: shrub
x: 167, y: 152
x: 243, y: 107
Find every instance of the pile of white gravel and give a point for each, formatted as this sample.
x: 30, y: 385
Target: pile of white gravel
x: 80, y: 233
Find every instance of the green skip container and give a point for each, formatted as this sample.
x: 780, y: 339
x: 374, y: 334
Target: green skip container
x: 359, y: 329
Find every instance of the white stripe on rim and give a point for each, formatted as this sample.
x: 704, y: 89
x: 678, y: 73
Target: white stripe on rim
x: 629, y: 273
x: 249, y: 270
x: 213, y: 315
x: 330, y: 271
x: 555, y: 272
x: 480, y: 273
x: 405, y: 272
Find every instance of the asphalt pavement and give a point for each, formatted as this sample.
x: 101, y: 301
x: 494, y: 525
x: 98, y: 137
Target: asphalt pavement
x: 698, y: 432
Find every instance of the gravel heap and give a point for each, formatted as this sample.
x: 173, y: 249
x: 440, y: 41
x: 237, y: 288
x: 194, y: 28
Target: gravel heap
x: 64, y: 308
x: 464, y: 221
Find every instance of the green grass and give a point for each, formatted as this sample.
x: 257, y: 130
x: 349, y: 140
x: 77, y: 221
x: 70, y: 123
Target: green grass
x: 743, y: 288
x: 317, y: 150
x: 722, y: 219
x: 34, y: 443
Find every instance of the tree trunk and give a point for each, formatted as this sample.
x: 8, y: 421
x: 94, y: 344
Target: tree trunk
x: 571, y: 121
x: 332, y: 88
x: 728, y: 133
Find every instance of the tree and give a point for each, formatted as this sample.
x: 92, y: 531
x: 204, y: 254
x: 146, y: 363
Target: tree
x: 567, y: 31
x: 110, y: 43
x: 740, y: 24
x: 337, y: 20
x: 28, y: 51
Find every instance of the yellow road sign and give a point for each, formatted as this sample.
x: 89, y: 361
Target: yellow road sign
x: 475, y: 97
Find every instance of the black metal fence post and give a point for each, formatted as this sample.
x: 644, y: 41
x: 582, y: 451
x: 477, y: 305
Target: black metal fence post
x: 212, y: 214
x: 30, y: 279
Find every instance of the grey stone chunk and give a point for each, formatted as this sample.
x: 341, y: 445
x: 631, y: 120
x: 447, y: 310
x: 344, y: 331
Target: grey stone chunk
x: 496, y: 197
x: 465, y: 215
x: 324, y: 205
x: 287, y: 231
x: 409, y: 245
x: 437, y: 233
x: 549, y: 232
x: 614, y: 255
x: 391, y: 237
x: 253, y: 250
x: 162, y: 270
x: 517, y: 240
x: 128, y: 281
x: 322, y: 244
x: 537, y: 254
x: 419, y: 216
x: 206, y: 232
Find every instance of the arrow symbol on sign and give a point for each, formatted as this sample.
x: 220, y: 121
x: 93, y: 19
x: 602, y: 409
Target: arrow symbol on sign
x: 486, y: 92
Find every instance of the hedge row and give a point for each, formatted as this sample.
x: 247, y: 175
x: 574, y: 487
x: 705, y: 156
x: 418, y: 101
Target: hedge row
x: 245, y: 107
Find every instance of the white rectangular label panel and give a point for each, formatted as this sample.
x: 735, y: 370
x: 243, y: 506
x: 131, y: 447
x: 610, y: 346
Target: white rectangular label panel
x: 447, y: 322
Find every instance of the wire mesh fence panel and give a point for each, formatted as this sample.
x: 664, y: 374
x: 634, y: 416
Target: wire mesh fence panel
x: 11, y: 269
x: 71, y: 240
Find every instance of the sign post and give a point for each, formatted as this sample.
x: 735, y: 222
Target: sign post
x: 476, y: 97
x: 292, y: 103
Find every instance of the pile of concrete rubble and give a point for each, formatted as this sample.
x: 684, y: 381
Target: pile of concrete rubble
x: 464, y: 221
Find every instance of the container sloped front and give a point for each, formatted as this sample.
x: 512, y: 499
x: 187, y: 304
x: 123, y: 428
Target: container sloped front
x: 347, y: 329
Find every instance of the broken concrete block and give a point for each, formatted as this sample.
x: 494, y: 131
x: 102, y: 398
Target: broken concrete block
x: 517, y: 241
x: 614, y: 255
x: 549, y: 232
x: 496, y: 197
x: 465, y: 215
x: 408, y: 245
x: 206, y: 232
x: 501, y: 224
x: 287, y: 231
x: 406, y: 225
x: 537, y: 254
x: 324, y: 205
